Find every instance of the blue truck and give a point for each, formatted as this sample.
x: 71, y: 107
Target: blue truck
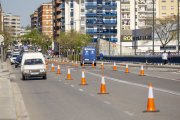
x: 88, y: 54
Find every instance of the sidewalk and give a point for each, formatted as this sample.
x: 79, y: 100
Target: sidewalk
x: 7, y: 106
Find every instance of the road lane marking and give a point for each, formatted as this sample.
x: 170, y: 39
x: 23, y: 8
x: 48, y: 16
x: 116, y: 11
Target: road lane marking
x: 91, y: 95
x: 136, y: 84
x: 55, y: 77
x: 59, y: 80
x: 130, y: 114
x: 65, y: 83
x: 72, y: 85
x: 107, y: 102
x: 81, y: 89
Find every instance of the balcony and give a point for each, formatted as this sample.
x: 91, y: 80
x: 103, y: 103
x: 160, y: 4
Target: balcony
x: 90, y: 22
x: 151, y: 9
x: 112, y: 31
x: 125, y: 10
x: 145, y: 3
x: 62, y: 14
x: 128, y: 2
x: 126, y: 17
x: 90, y: 31
x: 62, y: 6
x: 91, y: 4
x: 109, y: 4
x: 57, y: 9
x: 88, y: 13
x: 58, y: 17
x: 111, y: 39
x: 71, y: 14
x: 127, y: 23
x: 112, y: 13
x: 112, y: 22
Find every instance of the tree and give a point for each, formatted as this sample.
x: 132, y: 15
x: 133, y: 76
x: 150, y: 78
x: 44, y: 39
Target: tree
x: 163, y: 28
x: 28, y: 27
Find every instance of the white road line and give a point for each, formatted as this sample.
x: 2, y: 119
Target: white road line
x: 65, y: 83
x: 128, y: 113
x: 59, y: 80
x: 72, y: 85
x: 81, y: 89
x: 55, y: 77
x: 136, y: 84
x: 107, y: 102
x: 91, y: 95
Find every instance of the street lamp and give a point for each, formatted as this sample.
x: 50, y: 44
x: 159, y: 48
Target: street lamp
x: 91, y: 10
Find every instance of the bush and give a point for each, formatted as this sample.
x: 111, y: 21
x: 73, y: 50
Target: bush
x: 71, y: 57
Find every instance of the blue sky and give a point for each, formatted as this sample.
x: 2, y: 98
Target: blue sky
x: 23, y: 8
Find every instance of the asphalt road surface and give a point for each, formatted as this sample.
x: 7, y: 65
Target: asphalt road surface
x: 60, y: 99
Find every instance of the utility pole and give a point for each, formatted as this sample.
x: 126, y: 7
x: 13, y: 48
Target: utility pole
x: 178, y: 27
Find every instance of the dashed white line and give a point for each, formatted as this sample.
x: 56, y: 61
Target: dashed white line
x: 107, y: 102
x: 59, y: 80
x: 91, y: 95
x: 81, y: 89
x: 72, y: 85
x: 130, y: 114
x: 55, y: 77
x: 65, y: 83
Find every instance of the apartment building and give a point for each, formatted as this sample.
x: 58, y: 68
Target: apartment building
x: 13, y: 22
x: 167, y: 8
x: 34, y: 18
x: 1, y: 26
x: 45, y: 20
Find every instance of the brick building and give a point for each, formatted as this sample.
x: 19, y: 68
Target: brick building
x: 34, y: 17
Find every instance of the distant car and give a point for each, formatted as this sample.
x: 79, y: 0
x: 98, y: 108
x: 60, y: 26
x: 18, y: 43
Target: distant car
x: 21, y: 52
x: 13, y: 58
x: 47, y: 56
x: 8, y: 55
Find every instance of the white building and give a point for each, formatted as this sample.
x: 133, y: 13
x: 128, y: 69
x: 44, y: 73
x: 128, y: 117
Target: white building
x: 24, y: 31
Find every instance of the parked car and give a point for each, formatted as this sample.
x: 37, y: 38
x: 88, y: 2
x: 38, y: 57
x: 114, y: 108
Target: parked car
x: 8, y: 55
x: 13, y: 58
x: 18, y: 61
x: 33, y: 65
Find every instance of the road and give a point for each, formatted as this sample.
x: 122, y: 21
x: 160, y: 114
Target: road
x: 60, y: 99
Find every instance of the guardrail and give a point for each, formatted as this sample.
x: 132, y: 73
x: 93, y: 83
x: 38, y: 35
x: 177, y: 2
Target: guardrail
x: 150, y: 59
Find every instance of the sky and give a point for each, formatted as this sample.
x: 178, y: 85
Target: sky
x: 23, y: 8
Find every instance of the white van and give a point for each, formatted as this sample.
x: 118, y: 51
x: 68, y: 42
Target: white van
x: 33, y: 65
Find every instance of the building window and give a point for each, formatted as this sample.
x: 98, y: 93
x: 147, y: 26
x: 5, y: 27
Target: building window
x: 47, y: 6
x: 163, y: 14
x: 172, y: 14
x: 172, y: 0
x: 163, y: 7
x: 47, y: 17
x: 172, y: 7
x: 47, y: 11
x: 47, y: 22
x: 51, y: 22
x: 163, y: 0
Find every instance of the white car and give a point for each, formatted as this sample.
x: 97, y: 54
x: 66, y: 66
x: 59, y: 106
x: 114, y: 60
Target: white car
x: 33, y: 65
x: 13, y: 58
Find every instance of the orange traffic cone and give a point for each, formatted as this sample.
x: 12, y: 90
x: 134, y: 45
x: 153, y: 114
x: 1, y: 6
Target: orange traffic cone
x: 93, y: 64
x: 142, y: 71
x: 76, y: 64
x: 58, y: 70
x: 150, y: 104
x: 56, y: 62
x: 102, y: 66
x: 83, y: 81
x: 67, y: 62
x: 83, y: 64
x: 68, y: 75
x: 60, y: 62
x: 46, y: 67
x: 114, y: 69
x: 127, y: 69
x: 72, y: 63
x: 103, y: 87
x: 49, y: 60
x: 52, y: 68
x: 63, y: 62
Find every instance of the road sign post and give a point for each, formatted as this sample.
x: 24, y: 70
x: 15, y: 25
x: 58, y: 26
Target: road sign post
x: 1, y: 41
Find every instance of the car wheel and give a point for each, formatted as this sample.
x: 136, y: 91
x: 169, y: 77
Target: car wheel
x: 23, y: 77
x: 44, y: 77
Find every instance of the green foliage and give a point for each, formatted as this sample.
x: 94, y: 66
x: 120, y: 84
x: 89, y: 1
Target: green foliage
x: 28, y: 27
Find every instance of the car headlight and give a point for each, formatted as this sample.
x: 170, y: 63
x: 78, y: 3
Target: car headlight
x: 42, y: 70
x: 26, y: 71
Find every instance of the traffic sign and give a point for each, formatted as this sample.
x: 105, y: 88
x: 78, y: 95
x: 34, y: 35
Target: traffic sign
x: 1, y: 38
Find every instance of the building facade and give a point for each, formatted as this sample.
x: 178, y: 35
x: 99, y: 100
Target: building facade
x: 34, y: 18
x: 12, y: 22
x: 45, y: 23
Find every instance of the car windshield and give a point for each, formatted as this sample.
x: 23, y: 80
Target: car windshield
x: 19, y: 58
x: 16, y: 50
x: 15, y: 55
x: 33, y: 61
